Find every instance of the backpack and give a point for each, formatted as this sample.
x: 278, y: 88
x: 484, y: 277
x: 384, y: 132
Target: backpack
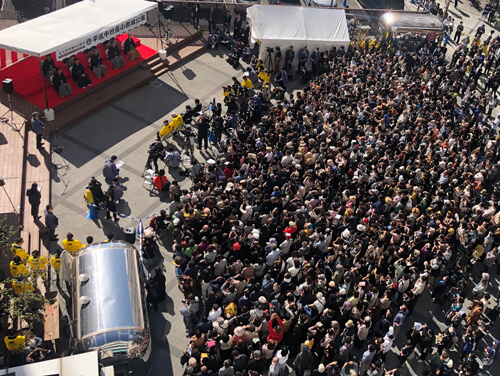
x: 117, y: 192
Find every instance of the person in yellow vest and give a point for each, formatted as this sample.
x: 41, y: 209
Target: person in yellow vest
x: 38, y: 263
x: 18, y: 250
x: 55, y: 261
x: 71, y: 245
x: 18, y: 268
x: 246, y: 81
x: 265, y: 77
x: 15, y: 343
x: 20, y: 286
x: 175, y: 123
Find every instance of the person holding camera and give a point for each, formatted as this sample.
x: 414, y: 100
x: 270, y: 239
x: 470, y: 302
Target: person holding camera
x: 155, y: 152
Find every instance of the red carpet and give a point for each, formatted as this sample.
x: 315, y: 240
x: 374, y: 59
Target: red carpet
x: 28, y: 81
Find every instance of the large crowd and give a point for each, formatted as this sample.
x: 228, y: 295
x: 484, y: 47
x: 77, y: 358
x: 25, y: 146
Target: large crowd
x: 309, y: 242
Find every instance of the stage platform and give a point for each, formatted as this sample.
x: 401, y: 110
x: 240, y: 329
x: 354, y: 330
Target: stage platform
x: 28, y: 81
x: 28, y: 90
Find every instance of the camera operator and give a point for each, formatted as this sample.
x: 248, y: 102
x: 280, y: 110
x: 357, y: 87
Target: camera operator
x: 189, y: 140
x: 218, y: 127
x: 190, y: 112
x: 203, y: 127
x: 156, y: 150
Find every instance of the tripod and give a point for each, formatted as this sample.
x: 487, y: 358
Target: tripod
x: 158, y: 36
x: 6, y: 120
x: 269, y: 61
x: 63, y: 164
x: 58, y: 162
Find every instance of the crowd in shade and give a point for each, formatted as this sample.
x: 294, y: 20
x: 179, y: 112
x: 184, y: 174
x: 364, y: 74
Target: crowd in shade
x: 308, y: 245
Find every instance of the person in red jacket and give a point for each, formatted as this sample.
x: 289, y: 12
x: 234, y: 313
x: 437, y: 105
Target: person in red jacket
x: 275, y: 327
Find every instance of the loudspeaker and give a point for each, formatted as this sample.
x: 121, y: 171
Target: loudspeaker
x: 129, y: 235
x: 8, y: 86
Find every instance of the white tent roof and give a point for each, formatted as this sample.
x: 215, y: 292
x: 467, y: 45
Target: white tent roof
x: 294, y: 24
x: 85, y: 364
x: 70, y: 25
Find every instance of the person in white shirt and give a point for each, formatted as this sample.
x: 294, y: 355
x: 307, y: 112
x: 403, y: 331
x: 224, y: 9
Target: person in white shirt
x: 286, y: 244
x: 215, y: 313
x: 282, y: 356
x: 387, y: 344
x: 273, y: 255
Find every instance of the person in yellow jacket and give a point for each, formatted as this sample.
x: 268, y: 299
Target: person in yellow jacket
x: 168, y: 128
x: 71, y: 245
x: 18, y: 250
x: 20, y: 286
x: 89, y: 197
x: 18, y: 268
x: 246, y: 81
x: 38, y: 263
x: 15, y: 343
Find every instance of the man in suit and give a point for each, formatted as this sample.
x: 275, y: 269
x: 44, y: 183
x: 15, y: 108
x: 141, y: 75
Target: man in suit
x: 227, y: 22
x: 37, y: 127
x: 303, y: 57
x: 212, y: 24
x: 51, y: 221
x: 203, y: 126
x: 289, y: 56
x: 237, y: 27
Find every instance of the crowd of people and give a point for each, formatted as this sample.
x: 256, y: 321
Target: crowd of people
x: 309, y: 242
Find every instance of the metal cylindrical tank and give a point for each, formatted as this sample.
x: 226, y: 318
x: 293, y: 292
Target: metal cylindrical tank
x: 109, y: 312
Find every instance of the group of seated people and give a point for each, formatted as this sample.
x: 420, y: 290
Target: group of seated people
x: 114, y: 54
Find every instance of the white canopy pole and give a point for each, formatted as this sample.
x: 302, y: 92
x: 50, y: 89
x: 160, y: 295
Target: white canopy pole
x: 43, y: 84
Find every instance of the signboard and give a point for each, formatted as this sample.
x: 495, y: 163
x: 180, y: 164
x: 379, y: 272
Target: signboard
x: 101, y: 36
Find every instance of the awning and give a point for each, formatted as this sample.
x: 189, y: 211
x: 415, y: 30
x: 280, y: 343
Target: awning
x: 76, y: 27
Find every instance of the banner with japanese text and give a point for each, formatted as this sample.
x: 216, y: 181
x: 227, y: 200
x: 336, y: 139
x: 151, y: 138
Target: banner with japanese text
x: 100, y: 36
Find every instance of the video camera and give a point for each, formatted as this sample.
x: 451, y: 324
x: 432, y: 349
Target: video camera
x: 156, y: 149
x: 270, y: 50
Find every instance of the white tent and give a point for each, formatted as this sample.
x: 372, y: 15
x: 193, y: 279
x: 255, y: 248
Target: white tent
x: 76, y: 27
x: 285, y: 26
x: 86, y: 364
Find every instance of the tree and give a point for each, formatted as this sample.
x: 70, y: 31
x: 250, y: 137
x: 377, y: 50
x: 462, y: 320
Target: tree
x: 26, y: 304
x: 7, y: 234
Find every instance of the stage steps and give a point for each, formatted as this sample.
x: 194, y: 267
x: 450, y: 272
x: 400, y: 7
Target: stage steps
x: 176, y: 57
